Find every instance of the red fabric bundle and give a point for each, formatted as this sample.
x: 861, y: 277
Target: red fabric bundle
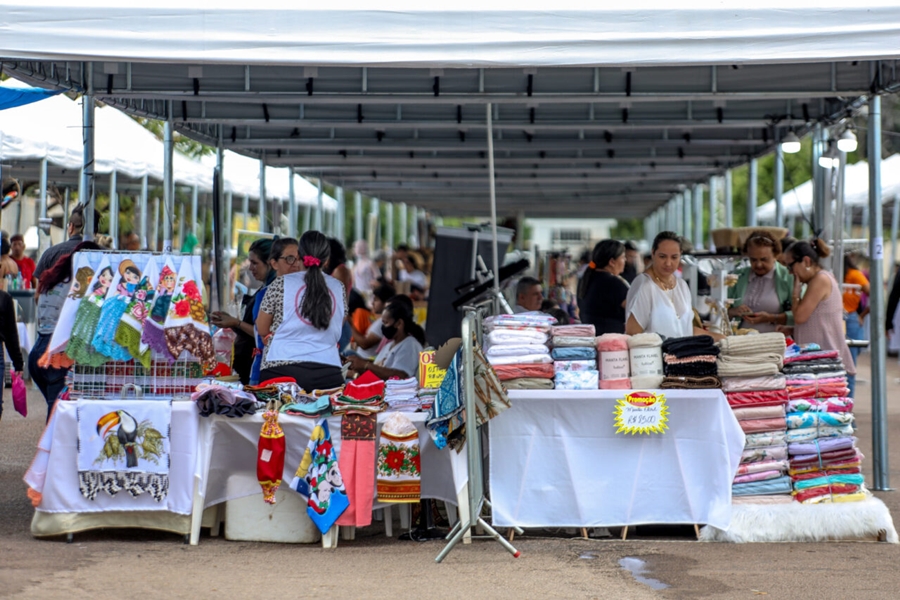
x: 270, y: 456
x: 366, y: 386
x: 817, y: 390
x: 538, y: 371
x: 827, y: 490
x: 761, y: 425
x: 824, y: 354
x: 826, y: 459
x: 767, y: 398
x: 826, y: 472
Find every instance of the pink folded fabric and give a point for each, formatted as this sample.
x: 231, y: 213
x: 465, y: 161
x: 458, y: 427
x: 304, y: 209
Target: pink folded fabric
x: 614, y: 361
x: 811, y: 356
x: 760, y: 425
x: 761, y: 476
x: 573, y: 331
x: 615, y: 384
x: 763, y: 465
x: 758, y: 412
x: 767, y: 398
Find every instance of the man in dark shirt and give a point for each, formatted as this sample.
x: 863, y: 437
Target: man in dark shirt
x: 75, y: 231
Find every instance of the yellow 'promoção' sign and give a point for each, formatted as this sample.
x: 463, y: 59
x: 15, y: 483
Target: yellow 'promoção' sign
x: 430, y: 375
x: 641, y: 412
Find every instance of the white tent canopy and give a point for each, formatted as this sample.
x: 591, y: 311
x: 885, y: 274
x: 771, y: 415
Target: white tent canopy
x: 799, y: 201
x: 463, y: 33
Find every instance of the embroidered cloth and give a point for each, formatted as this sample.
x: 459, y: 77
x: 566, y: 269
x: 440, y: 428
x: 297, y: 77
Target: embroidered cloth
x: 319, y: 479
x: 79, y: 347
x: 399, y: 466
x: 356, y: 460
x: 124, y: 445
x: 131, y: 327
x: 270, y: 456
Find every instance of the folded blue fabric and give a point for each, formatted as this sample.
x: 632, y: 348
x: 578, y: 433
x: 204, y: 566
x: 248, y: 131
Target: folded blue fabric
x: 573, y: 353
x: 780, y: 485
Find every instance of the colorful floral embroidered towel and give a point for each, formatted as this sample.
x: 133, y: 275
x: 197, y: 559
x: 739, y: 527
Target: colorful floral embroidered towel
x: 123, y: 445
x: 399, y: 465
x: 356, y: 460
x: 79, y: 347
x: 128, y: 333
x: 448, y: 404
x: 270, y: 456
x: 187, y: 327
x: 319, y: 479
x: 153, y: 339
x: 83, y: 267
x: 124, y: 285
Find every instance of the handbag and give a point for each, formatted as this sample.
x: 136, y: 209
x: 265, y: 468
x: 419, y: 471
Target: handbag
x: 19, y: 395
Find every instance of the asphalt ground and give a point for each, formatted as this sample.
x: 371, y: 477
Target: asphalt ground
x: 553, y: 564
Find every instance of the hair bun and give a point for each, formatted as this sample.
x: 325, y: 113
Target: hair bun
x: 821, y: 248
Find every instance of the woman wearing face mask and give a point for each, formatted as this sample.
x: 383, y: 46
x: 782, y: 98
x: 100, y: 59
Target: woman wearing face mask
x: 368, y: 341
x: 658, y: 301
x: 819, y: 313
x: 762, y: 293
x: 301, y: 319
x: 400, y: 356
x: 602, y: 291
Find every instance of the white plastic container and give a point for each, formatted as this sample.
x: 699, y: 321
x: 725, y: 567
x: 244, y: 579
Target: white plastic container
x: 249, y: 519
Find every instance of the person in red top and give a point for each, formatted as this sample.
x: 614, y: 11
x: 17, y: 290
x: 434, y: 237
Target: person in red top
x: 26, y: 265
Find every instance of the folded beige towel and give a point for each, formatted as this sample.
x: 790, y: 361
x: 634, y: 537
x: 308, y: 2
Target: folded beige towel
x: 742, y: 345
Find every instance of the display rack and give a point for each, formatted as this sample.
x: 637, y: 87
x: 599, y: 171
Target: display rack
x: 163, y: 379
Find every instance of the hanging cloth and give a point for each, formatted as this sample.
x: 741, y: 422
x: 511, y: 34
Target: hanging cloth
x: 55, y: 357
x: 128, y: 333
x: 187, y: 327
x: 399, y: 461
x: 153, y: 339
x: 124, y: 286
x: 270, y: 456
x: 319, y: 479
x: 356, y: 460
x: 79, y: 348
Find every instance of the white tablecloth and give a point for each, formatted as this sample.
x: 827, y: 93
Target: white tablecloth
x: 54, y: 471
x: 557, y: 462
x: 229, y: 448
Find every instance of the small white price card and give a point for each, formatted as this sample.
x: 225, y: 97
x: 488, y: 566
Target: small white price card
x: 641, y: 412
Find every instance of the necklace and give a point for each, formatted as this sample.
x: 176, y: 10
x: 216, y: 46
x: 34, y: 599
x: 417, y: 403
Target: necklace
x: 664, y: 286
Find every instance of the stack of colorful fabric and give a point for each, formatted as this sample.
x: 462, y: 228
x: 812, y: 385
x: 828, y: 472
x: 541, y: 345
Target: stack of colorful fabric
x: 426, y: 398
x: 402, y: 395
x: 825, y: 464
x: 574, y: 357
x: 690, y: 363
x: 363, y: 396
x: 516, y: 346
x: 758, y: 403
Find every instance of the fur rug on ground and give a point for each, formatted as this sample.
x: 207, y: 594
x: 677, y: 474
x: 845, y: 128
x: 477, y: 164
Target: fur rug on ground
x: 795, y: 522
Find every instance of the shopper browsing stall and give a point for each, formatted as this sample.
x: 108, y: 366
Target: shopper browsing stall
x: 300, y: 321
x: 819, y: 313
x: 852, y: 299
x: 762, y: 293
x: 400, y: 356
x: 368, y: 341
x: 602, y: 291
x: 53, y: 288
x: 658, y: 301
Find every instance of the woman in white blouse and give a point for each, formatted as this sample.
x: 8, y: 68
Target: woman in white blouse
x: 658, y: 301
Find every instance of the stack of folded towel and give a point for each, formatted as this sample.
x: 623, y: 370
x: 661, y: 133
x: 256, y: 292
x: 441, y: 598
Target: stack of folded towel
x: 517, y: 348
x: 825, y: 464
x: 364, y: 395
x: 690, y: 363
x: 645, y: 357
x: 758, y: 402
x: 574, y: 357
x: 402, y: 395
x: 614, y: 360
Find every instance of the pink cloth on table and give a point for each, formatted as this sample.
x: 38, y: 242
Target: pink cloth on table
x: 760, y: 425
x: 823, y: 354
x: 766, y: 398
x: 615, y: 384
x: 573, y: 331
x: 536, y: 371
x: 760, y: 476
x: 759, y: 412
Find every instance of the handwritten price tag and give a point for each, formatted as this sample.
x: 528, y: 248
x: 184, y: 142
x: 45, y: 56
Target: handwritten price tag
x: 640, y: 413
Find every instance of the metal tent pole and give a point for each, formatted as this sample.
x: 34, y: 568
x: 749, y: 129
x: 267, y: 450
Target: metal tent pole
x: 819, y: 207
x: 223, y: 272
x: 292, y: 205
x: 389, y: 224
x: 698, y: 216
x: 245, y: 211
x: 168, y: 179
x: 729, y: 199
x: 687, y: 215
x: 155, y: 245
x: 414, y: 227
x: 779, y: 187
x: 42, y: 239
x: 895, y: 225
x: 876, y: 304
x: 145, y: 190
x: 229, y: 225
x: 837, y: 225
x: 495, y: 267
x: 319, y: 201
x: 358, y: 233
x: 373, y: 232
x: 66, y: 210
x: 86, y: 192
x: 340, y: 229
x: 181, y: 228
x: 307, y: 217
x: 713, y: 205
x: 263, y: 224
x: 752, y: 193
x: 404, y: 227
x: 195, y: 200
x: 114, y: 209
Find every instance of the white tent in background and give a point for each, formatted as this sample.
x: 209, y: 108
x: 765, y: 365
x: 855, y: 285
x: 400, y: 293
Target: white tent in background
x: 799, y: 201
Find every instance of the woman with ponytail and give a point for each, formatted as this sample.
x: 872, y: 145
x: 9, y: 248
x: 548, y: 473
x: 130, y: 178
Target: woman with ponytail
x: 819, y: 312
x: 602, y: 291
x: 301, y: 318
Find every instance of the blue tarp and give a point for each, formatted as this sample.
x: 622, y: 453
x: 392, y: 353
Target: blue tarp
x: 19, y: 96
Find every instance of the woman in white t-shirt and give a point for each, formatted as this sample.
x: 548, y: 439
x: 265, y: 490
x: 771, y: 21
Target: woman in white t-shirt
x: 659, y: 301
x: 400, y: 356
x: 300, y: 321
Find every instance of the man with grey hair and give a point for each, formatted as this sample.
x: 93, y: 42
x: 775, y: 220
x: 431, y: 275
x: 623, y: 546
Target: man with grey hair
x: 529, y: 295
